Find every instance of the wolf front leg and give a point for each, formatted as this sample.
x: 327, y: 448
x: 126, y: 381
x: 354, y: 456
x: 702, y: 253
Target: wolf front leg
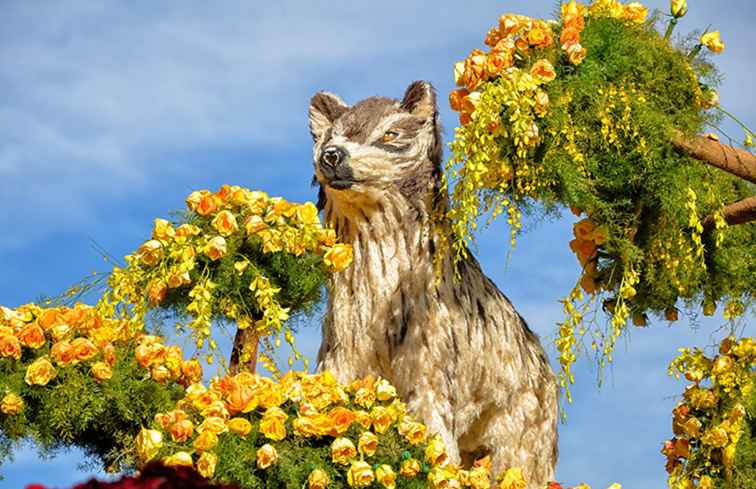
x: 438, y: 416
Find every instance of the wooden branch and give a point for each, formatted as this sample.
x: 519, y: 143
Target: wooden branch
x: 244, y: 337
x: 739, y: 212
x: 738, y: 162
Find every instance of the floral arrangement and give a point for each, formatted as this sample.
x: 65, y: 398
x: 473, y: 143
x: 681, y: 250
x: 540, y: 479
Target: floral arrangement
x: 69, y: 376
x: 711, y: 419
x: 579, y: 112
x: 237, y: 255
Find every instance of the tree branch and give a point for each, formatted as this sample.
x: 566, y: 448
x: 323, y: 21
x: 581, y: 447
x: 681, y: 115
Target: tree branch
x: 739, y: 212
x: 738, y: 162
x: 244, y: 337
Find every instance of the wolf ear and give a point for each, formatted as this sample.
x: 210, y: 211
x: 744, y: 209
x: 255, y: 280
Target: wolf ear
x: 420, y: 99
x: 325, y: 108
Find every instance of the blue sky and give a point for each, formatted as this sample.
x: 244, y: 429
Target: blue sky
x: 112, y: 112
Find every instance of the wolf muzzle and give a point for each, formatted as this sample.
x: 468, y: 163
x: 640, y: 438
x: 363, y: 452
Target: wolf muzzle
x: 334, y: 168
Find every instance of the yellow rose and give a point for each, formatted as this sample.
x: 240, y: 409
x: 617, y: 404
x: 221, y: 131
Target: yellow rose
x: 216, y: 248
x: 214, y: 424
x: 543, y: 70
x: 225, y: 223
x: 435, y: 452
x: 101, y: 371
x: 479, y: 478
x: 382, y: 418
x: 40, y: 372
x: 62, y: 353
x: 10, y: 347
x: 368, y: 443
x: 386, y: 476
x: 678, y: 8
x: 148, y: 444
x: 178, y: 459
x: 410, y: 468
x: 206, y: 440
x: 475, y: 69
x: 512, y: 479
x: 208, y: 204
x: 32, y: 336
x: 715, y: 437
x: 540, y: 36
x: 240, y: 426
x: 83, y: 349
x: 635, y: 12
x: 307, y: 214
x: 338, y: 257
x: 150, y: 252
x: 576, y: 53
x: 11, y: 404
x: 342, y: 451
x: 206, y: 464
x: 384, y: 391
x: 162, y: 230
x: 415, y: 433
x: 360, y: 475
x: 266, y: 456
x: 318, y: 479
x: 272, y: 423
x: 712, y: 41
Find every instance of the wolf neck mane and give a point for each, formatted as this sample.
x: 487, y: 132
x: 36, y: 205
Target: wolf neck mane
x: 394, y: 245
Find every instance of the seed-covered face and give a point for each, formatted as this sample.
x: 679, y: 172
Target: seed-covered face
x: 377, y: 146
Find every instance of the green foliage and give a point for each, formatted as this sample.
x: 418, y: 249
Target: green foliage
x: 74, y: 409
x: 745, y: 460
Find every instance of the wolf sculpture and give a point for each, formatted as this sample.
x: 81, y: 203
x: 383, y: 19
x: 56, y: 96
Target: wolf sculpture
x: 458, y: 353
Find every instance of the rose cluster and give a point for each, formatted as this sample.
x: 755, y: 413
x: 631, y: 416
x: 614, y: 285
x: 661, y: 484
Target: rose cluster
x: 225, y: 261
x: 710, y: 419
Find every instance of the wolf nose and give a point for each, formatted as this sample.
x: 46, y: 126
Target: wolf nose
x: 332, y: 156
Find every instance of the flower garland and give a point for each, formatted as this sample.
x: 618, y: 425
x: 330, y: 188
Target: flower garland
x: 237, y: 255
x: 576, y: 112
x: 710, y: 419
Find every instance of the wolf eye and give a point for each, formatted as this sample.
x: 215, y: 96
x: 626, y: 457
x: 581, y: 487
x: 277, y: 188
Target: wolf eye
x: 389, y: 136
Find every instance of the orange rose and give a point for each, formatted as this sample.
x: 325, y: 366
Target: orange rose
x: 493, y: 36
x: 497, y: 62
x: 475, y: 69
x: 62, y: 353
x: 48, y: 318
x: 101, y: 371
x: 456, y: 97
x: 191, y: 370
x: 204, y: 204
x: 156, y: 292
x: 368, y: 443
x: 216, y: 248
x: 341, y: 419
x: 41, y: 372
x: 241, y: 398
x: 177, y: 279
x: 32, y: 336
x: 569, y: 36
x: 10, y: 346
x: 83, y: 349
x: 182, y: 430
x: 509, y: 24
x: 382, y: 419
x: 583, y: 230
x: 225, y: 223
x: 543, y: 70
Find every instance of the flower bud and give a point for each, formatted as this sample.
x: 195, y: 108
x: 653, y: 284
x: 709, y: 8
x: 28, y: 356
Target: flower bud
x: 678, y: 8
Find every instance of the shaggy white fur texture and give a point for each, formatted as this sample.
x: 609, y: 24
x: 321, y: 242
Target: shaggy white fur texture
x: 456, y: 349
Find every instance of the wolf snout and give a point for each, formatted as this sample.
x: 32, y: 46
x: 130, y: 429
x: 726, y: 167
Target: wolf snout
x: 334, y: 169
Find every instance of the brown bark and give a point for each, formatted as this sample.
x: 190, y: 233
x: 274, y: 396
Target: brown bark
x: 244, y: 337
x: 737, y: 213
x: 738, y: 162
